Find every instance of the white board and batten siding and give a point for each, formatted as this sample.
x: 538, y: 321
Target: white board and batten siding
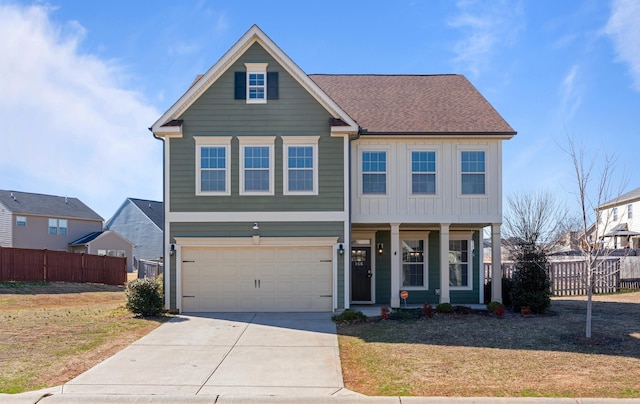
x: 447, y: 205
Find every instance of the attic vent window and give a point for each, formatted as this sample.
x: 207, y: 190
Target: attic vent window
x: 256, y: 85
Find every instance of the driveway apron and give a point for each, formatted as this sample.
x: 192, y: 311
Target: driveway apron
x: 235, y: 354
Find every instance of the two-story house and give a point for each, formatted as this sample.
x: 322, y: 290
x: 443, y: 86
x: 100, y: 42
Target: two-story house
x: 618, y: 221
x: 29, y: 220
x: 293, y: 192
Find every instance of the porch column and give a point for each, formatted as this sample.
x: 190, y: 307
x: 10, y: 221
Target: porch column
x: 395, y: 264
x: 496, y: 264
x: 444, y: 263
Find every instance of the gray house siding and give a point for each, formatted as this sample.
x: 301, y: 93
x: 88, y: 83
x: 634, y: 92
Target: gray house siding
x: 135, y: 226
x: 36, y: 233
x: 6, y: 228
x: 217, y: 113
x: 267, y: 229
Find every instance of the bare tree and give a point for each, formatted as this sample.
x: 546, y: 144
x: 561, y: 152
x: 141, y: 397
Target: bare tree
x: 592, y: 192
x: 535, y: 218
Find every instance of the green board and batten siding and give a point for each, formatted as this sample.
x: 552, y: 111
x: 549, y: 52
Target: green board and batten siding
x: 267, y: 229
x: 295, y: 113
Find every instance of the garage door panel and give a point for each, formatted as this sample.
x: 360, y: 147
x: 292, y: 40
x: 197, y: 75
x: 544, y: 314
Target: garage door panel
x: 257, y: 279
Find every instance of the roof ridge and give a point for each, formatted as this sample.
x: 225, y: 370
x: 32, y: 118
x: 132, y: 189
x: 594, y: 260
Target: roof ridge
x: 387, y: 74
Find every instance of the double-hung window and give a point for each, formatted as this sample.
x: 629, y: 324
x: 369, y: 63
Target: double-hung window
x: 414, y: 262
x: 256, y: 165
x: 213, y: 171
x: 460, y: 262
x: 256, y: 85
x: 630, y: 211
x: 423, y: 172
x: 300, y: 165
x: 472, y: 172
x: 374, y: 172
x: 615, y: 214
x: 58, y: 226
x: 21, y: 221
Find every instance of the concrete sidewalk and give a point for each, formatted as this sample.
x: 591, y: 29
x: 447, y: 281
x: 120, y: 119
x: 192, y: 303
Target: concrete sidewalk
x: 248, y: 354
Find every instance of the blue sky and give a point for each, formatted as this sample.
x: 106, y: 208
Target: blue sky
x: 81, y: 81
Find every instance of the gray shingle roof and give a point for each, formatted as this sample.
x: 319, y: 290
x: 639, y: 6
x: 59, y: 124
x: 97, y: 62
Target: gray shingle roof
x: 414, y: 104
x: 626, y: 197
x: 89, y: 237
x: 46, y: 205
x: 153, y: 209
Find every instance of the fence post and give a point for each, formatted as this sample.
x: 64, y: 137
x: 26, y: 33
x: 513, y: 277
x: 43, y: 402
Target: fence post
x: 44, y: 265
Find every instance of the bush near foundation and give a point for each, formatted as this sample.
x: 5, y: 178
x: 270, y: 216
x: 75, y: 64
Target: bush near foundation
x: 144, y: 297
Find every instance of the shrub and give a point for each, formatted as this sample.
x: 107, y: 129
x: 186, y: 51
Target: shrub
x: 531, y: 286
x: 427, y: 310
x: 506, y: 291
x: 444, y: 308
x: 349, y: 316
x: 492, y: 306
x: 384, y: 312
x: 144, y: 297
x: 499, y: 311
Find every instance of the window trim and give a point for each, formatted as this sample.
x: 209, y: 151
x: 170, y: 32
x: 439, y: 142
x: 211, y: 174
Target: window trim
x: 256, y: 68
x: 21, y: 223
x: 361, y: 172
x: 468, y: 236
x: 463, y: 149
x: 615, y: 214
x: 630, y: 211
x: 299, y: 141
x: 415, y: 235
x: 257, y: 141
x: 213, y: 141
x: 438, y: 170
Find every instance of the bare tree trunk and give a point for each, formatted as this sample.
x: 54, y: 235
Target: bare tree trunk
x: 589, y: 305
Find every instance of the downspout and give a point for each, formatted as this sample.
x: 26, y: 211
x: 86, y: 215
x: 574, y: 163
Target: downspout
x: 348, y: 247
x: 165, y: 261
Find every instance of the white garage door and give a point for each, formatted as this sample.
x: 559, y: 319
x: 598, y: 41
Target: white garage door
x: 256, y: 279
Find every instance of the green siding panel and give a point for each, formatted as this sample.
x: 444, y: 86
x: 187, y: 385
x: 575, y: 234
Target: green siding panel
x: 383, y: 268
x: 295, y: 113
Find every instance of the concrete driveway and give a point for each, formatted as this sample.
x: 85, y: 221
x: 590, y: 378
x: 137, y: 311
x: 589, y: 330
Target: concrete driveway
x: 227, y: 354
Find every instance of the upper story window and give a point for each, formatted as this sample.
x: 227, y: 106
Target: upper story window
x: 615, y: 214
x: 256, y: 165
x: 374, y: 172
x: 460, y: 253
x: 630, y: 211
x: 300, y: 165
x: 21, y: 221
x: 423, y: 172
x: 58, y: 226
x: 472, y: 172
x: 213, y: 171
x: 255, y: 84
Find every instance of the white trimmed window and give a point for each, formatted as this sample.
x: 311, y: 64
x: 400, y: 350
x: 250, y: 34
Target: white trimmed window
x: 256, y: 165
x: 21, y: 221
x: 256, y: 83
x: 423, y: 172
x: 58, y: 226
x: 472, y: 172
x: 460, y: 261
x: 300, y: 165
x: 630, y: 211
x: 615, y: 214
x: 374, y: 172
x: 213, y: 172
x: 414, y: 261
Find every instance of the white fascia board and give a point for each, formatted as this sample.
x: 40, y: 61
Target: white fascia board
x: 212, y: 217
x: 255, y: 34
x: 168, y: 131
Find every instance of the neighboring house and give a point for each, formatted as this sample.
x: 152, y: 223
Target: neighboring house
x: 105, y: 243
x: 39, y: 221
x: 140, y: 221
x: 293, y: 192
x: 618, y: 221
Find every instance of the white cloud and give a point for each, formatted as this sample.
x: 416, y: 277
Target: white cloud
x: 70, y: 126
x: 486, y: 26
x: 624, y: 29
x: 571, y: 93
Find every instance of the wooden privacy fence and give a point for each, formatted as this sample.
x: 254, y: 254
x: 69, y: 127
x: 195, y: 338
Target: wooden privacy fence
x: 568, y: 278
x: 27, y: 265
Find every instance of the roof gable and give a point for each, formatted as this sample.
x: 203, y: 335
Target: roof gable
x: 414, y: 104
x: 152, y: 209
x: 630, y: 196
x: 47, y: 205
x: 168, y: 124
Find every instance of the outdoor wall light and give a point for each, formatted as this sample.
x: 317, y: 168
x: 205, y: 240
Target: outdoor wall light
x: 255, y: 226
x: 341, y: 249
x: 380, y: 248
x: 172, y: 249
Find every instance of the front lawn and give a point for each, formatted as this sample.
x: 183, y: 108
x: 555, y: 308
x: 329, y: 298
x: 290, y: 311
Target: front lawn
x: 481, y: 355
